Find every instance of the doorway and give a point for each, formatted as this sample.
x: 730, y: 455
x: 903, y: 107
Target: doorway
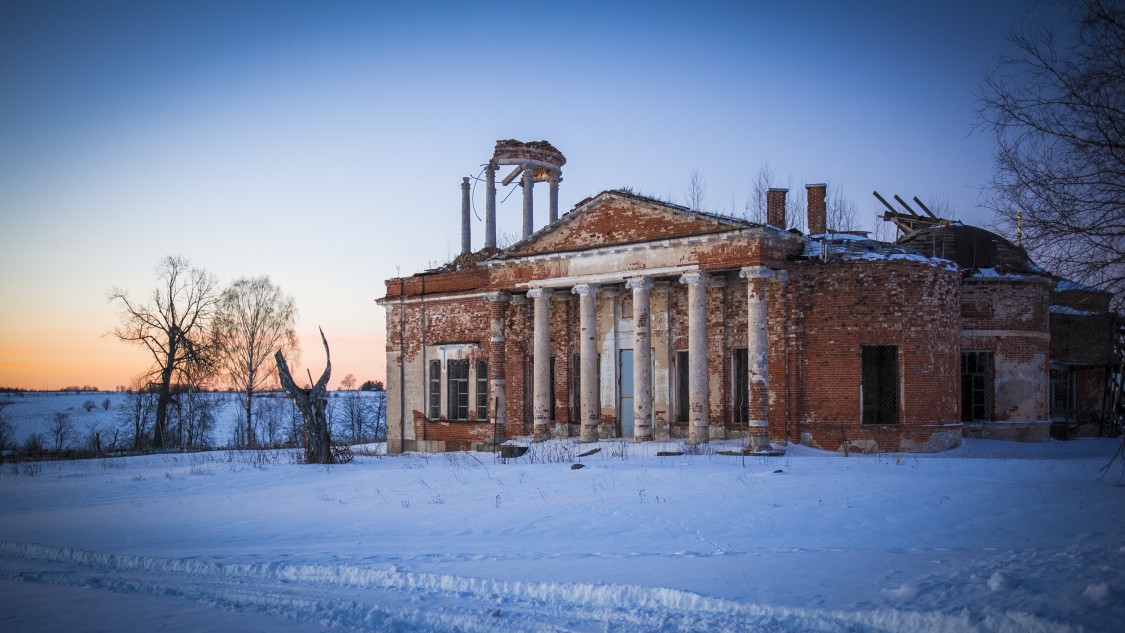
x: 625, y: 389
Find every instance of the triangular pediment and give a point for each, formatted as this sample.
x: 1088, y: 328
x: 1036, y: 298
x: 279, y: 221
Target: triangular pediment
x: 614, y: 218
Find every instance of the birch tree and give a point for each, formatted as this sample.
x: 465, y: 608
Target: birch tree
x: 255, y: 319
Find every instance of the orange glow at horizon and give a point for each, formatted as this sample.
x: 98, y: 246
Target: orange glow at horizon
x: 63, y: 358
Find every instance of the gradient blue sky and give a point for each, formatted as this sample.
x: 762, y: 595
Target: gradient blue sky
x: 324, y: 143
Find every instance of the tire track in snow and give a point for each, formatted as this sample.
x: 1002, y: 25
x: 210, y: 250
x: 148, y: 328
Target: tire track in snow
x: 357, y: 597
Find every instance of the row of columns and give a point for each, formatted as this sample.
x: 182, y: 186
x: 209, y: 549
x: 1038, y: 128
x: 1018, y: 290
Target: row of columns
x: 528, y: 183
x: 698, y: 374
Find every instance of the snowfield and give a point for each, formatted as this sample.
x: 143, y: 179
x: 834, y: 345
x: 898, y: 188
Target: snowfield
x: 993, y: 536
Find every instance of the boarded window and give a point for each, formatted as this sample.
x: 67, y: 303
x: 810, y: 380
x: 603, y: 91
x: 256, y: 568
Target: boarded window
x: 880, y: 386
x: 976, y: 386
x: 435, y: 389
x: 1062, y: 393
x: 740, y: 387
x: 457, y: 382
x: 482, y: 389
x: 682, y: 398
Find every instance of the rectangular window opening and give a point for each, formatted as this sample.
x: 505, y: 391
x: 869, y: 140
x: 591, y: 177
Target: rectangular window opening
x: 682, y: 386
x: 880, y: 384
x: 740, y: 387
x: 976, y: 386
x: 457, y: 380
x: 1062, y: 393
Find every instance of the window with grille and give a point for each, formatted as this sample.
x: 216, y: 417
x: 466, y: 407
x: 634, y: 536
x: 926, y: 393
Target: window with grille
x: 435, y: 389
x: 1062, y: 393
x: 482, y: 389
x: 682, y: 386
x: 740, y: 387
x: 880, y: 384
x: 976, y: 386
x: 457, y: 381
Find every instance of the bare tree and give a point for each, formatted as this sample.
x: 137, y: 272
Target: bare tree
x: 755, y: 209
x: 1057, y: 112
x: 172, y: 326
x: 841, y: 210
x: 312, y: 403
x: 61, y: 428
x: 881, y: 231
x: 254, y: 320
x: 5, y: 432
x: 358, y: 415
x: 696, y: 190
x: 137, y: 412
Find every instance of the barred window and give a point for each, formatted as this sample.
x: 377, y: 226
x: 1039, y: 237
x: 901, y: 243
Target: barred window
x: 1062, y: 393
x: 976, y: 386
x: 740, y: 387
x: 682, y: 398
x: 458, y: 388
x: 880, y: 384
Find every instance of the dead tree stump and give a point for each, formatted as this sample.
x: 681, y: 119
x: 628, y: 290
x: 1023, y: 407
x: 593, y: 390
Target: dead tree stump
x: 312, y: 404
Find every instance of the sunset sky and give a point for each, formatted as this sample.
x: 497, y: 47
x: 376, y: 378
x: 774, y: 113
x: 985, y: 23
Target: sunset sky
x: 323, y: 143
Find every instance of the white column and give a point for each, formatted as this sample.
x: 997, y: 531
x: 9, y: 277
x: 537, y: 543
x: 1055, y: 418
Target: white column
x: 698, y: 385
x: 466, y: 235
x: 541, y: 408
x: 554, y: 181
x: 588, y: 357
x: 490, y: 205
x: 642, y: 359
x: 528, y: 201
x: 757, y: 353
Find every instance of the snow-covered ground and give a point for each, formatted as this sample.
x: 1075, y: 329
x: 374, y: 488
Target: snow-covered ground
x: 993, y: 536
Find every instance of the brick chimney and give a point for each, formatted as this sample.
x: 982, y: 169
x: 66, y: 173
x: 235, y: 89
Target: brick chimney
x: 818, y: 210
x: 775, y: 207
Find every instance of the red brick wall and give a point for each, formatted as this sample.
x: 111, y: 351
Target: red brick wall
x: 1009, y: 317
x: 621, y: 219
x: 833, y: 310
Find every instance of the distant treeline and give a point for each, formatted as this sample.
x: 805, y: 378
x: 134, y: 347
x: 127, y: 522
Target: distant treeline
x: 370, y: 385
x: 70, y: 389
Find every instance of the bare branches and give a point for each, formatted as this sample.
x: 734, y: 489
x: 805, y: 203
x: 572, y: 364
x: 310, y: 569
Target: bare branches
x: 1058, y: 115
x: 696, y: 190
x: 173, y: 326
x: 254, y: 319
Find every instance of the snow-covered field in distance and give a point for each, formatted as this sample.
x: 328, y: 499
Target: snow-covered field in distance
x: 34, y: 412
x: 993, y: 536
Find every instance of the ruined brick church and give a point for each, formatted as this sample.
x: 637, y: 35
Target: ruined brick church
x: 630, y: 317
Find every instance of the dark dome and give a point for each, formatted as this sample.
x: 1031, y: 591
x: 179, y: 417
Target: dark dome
x: 971, y: 248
